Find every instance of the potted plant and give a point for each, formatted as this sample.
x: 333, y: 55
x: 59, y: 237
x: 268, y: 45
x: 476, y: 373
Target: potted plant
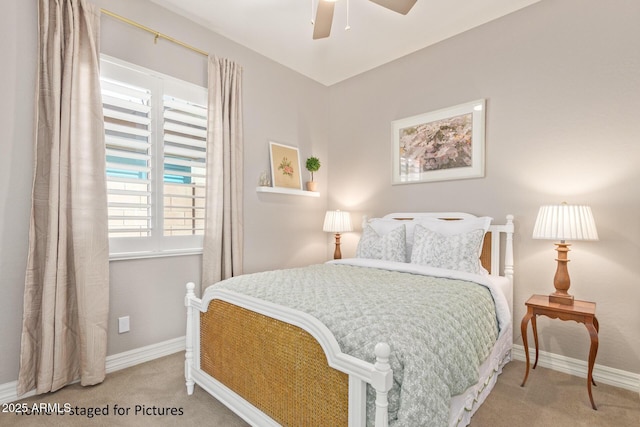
x: 313, y: 164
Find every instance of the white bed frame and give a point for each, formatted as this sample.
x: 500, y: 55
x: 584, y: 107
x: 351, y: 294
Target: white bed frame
x: 360, y: 373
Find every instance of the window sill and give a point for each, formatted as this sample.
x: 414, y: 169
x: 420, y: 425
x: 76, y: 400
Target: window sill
x: 145, y: 255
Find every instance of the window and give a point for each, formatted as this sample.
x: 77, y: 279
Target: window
x: 155, y: 136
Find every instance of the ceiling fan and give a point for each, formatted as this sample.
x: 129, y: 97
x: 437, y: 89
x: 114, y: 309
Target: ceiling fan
x: 324, y: 14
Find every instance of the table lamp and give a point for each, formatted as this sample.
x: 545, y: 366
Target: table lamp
x: 564, y: 222
x: 337, y: 222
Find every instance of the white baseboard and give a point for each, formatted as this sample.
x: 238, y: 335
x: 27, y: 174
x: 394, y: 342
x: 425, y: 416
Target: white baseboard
x: 114, y: 363
x: 604, y: 374
x: 144, y: 354
x: 579, y: 368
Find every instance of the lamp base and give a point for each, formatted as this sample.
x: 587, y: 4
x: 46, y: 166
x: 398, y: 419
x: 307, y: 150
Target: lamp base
x: 337, y: 254
x: 564, y: 299
x: 561, y: 280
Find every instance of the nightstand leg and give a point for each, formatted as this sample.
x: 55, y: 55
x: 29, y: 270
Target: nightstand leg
x: 534, y: 325
x: 523, y: 330
x: 593, y: 351
x: 597, y: 326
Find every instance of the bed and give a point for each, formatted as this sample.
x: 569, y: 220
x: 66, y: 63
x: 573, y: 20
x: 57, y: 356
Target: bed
x: 413, y: 331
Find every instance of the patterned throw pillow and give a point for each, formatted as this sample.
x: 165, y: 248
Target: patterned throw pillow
x: 388, y: 247
x: 454, y: 252
x: 446, y: 227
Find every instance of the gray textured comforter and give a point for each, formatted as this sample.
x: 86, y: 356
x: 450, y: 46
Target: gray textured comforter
x: 439, y: 329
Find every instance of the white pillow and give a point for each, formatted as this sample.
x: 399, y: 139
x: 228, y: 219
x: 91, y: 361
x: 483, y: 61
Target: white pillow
x: 454, y: 226
x: 446, y: 227
x: 454, y: 252
x: 384, y: 225
x: 389, y: 244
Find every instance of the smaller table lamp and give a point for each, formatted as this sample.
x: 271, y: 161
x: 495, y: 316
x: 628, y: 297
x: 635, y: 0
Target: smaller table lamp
x: 337, y: 222
x: 564, y: 222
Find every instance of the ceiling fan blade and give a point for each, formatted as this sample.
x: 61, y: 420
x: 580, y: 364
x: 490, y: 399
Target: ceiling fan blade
x: 324, y: 18
x: 400, y: 6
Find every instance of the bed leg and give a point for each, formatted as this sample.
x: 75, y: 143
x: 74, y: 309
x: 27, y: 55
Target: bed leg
x: 382, y: 378
x: 188, y: 356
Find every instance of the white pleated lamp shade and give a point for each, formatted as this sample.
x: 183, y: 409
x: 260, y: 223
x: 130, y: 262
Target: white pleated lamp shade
x: 337, y: 222
x: 565, y: 222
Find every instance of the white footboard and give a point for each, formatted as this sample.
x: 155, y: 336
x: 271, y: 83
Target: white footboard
x: 360, y: 373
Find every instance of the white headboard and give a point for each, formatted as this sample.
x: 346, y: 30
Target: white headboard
x: 496, y: 230
x: 499, y: 254
x: 495, y: 253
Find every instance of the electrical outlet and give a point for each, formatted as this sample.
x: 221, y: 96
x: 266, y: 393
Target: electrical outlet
x: 123, y: 324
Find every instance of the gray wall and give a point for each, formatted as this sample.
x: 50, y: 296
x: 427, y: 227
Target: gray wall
x: 562, y: 83
x: 17, y: 81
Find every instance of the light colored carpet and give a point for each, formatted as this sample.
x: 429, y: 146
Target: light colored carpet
x: 554, y: 399
x: 550, y: 399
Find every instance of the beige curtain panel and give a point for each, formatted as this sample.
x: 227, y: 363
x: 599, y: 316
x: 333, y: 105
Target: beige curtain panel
x: 223, y: 231
x: 66, y: 298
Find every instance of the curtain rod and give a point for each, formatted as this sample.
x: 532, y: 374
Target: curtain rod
x: 154, y: 32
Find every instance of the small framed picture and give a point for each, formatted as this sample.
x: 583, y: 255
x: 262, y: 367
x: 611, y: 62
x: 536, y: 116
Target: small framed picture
x: 441, y: 145
x: 285, y: 166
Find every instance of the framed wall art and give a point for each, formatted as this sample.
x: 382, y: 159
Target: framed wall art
x: 285, y: 166
x: 441, y: 145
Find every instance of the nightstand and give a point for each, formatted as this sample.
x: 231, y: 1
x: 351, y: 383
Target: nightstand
x: 581, y: 312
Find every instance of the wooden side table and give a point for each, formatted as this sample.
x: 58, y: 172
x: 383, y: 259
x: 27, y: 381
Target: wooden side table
x: 581, y: 312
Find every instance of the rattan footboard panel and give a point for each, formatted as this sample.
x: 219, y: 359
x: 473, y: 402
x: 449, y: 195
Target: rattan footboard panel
x: 277, y: 367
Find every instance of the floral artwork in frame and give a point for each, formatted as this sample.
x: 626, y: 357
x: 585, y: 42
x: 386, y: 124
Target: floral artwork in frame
x: 441, y: 145
x: 285, y: 166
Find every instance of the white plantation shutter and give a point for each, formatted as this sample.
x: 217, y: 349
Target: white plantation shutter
x: 127, y: 122
x: 185, y: 134
x: 155, y: 135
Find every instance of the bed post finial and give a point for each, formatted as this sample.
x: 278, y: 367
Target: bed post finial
x: 381, y: 380
x: 190, y: 293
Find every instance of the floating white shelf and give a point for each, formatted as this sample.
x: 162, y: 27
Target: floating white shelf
x: 290, y: 191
